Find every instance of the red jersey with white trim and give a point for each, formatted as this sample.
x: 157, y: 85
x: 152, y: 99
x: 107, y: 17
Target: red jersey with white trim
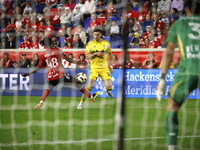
x: 7, y: 63
x: 52, y: 58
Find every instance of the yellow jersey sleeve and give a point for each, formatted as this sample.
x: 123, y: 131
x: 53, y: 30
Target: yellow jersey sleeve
x: 98, y: 61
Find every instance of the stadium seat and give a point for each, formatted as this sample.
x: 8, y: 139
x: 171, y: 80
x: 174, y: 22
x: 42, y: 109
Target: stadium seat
x: 106, y: 38
x: 135, y: 8
x: 61, y: 40
x: 86, y: 22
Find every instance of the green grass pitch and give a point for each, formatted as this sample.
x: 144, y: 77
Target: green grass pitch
x: 60, y: 126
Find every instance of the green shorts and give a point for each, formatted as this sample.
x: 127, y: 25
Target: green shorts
x: 103, y: 73
x: 182, y: 86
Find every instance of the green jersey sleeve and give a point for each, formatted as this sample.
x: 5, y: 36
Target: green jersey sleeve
x: 172, y: 36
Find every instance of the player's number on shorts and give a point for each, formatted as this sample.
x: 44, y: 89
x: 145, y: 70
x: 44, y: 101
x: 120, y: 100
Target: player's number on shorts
x: 196, y: 28
x: 53, y: 63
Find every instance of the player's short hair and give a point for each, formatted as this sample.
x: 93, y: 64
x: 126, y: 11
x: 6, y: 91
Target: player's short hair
x: 98, y: 29
x: 193, y: 6
x: 47, y: 42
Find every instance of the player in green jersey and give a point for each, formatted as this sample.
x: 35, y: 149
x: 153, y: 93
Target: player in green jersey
x: 185, y: 32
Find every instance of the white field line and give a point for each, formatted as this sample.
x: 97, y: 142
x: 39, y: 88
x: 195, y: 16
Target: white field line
x: 86, y: 141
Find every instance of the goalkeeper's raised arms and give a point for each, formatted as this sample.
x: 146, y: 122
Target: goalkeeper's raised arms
x: 160, y: 89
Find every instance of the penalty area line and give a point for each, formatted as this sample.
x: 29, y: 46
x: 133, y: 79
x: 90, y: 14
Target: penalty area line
x: 87, y: 141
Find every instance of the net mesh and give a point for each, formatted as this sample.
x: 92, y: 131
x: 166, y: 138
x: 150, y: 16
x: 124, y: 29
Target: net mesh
x: 60, y: 125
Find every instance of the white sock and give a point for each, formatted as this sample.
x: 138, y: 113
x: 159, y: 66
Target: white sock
x: 171, y: 147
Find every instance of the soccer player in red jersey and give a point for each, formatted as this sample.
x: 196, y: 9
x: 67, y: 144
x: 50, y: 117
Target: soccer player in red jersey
x: 52, y: 58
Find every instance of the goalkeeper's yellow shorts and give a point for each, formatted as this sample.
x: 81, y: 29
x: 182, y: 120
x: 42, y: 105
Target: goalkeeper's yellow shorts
x: 103, y: 73
x: 182, y: 86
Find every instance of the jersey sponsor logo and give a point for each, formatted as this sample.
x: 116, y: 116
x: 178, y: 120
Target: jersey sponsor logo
x: 192, y: 51
x: 47, y: 55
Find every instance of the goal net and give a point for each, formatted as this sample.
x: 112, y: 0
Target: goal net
x: 60, y: 125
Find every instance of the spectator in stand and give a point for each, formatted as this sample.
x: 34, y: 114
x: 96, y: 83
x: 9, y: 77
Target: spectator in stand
x: 62, y: 31
x: 28, y: 8
x: 129, y: 62
x: 55, y: 42
x: 114, y: 30
x: 147, y: 22
x: 149, y: 4
x: 31, y: 32
x: 34, y: 15
x: 25, y: 44
x: 164, y: 5
x: 35, y: 60
x: 34, y: 24
x: 84, y: 62
x: 77, y: 18
x: 35, y: 44
x: 47, y: 14
x: 119, y: 8
x: 161, y: 38
x: 106, y: 28
x: 115, y: 62
x: 179, y: 5
x: 11, y: 23
x: 173, y: 16
x: 77, y: 43
x: 38, y: 6
x: 11, y: 43
x: 20, y: 28
x: 157, y: 23
x: 67, y: 64
x: 89, y: 8
x: 55, y: 21
x: 165, y: 19
x: 129, y: 13
x: 135, y: 42
x: 93, y: 23
x: 51, y: 3
x: 144, y: 43
x: 50, y: 27
x: 148, y: 31
x: 154, y: 43
x: 68, y: 45
x: 6, y: 62
x: 42, y: 27
x: 110, y: 9
x: 66, y: 17
x: 81, y: 32
x: 150, y: 62
x: 26, y: 20
x: 140, y: 15
x: 40, y: 36
x: 134, y: 26
x: 17, y: 11
x: 100, y: 8
x: 24, y: 62
x: 69, y: 36
x: 70, y: 4
x: 80, y: 4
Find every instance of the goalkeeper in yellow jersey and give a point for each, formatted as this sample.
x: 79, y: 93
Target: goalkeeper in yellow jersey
x: 99, y: 53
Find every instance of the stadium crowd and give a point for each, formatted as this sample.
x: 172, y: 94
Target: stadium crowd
x: 70, y: 23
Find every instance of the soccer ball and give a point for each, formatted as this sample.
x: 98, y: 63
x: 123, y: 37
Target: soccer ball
x: 81, y: 77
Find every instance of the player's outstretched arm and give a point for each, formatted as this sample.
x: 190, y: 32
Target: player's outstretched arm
x: 36, y: 69
x: 166, y: 60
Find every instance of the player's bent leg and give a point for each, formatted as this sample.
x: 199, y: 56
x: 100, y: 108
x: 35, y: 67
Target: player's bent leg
x: 108, y: 88
x: 83, y: 98
x: 95, y: 96
x: 171, y: 123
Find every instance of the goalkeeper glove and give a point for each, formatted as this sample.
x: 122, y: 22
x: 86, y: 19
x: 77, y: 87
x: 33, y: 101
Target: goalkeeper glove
x: 161, y: 87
